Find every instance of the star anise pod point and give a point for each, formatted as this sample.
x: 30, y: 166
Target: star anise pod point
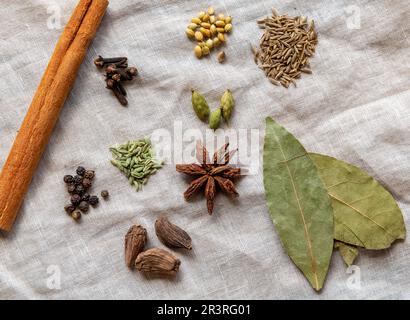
x: 217, y: 173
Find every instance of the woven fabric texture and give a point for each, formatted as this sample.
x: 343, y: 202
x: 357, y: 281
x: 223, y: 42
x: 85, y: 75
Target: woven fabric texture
x: 355, y: 106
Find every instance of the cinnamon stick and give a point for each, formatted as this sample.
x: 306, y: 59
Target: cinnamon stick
x: 45, y: 107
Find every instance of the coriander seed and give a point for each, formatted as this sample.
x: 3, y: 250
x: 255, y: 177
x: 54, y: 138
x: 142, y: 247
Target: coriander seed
x: 221, y: 17
x: 192, y: 26
x: 213, y: 30
x: 198, y: 51
x: 205, y: 32
x: 205, y: 50
x: 190, y: 33
x: 197, y: 21
x: 199, y: 36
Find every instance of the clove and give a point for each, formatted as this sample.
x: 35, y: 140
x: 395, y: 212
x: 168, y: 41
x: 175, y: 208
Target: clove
x: 117, y: 71
x: 120, y: 62
x: 118, y: 89
x: 133, y: 72
x: 121, y: 74
x: 121, y: 98
x: 110, y: 83
x: 121, y: 89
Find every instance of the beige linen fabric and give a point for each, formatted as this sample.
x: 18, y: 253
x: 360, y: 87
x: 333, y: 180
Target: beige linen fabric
x: 355, y: 107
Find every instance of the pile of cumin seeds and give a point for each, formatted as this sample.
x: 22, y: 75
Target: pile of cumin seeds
x: 285, y: 48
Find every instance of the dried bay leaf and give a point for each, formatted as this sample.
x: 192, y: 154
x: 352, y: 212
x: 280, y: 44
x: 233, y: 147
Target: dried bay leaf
x: 348, y: 252
x: 298, y: 203
x: 365, y: 213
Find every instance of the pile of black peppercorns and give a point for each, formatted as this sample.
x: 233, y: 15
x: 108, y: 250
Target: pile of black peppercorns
x: 77, y: 187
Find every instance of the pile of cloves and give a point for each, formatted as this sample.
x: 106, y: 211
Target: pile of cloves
x: 117, y: 71
x: 78, y: 187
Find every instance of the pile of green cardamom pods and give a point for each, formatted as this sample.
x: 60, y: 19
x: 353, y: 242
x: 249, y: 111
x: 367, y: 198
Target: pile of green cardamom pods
x: 214, y: 118
x: 136, y: 160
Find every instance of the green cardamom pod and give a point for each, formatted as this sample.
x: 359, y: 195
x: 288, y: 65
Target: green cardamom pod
x: 227, y: 105
x: 200, y: 106
x: 215, y: 119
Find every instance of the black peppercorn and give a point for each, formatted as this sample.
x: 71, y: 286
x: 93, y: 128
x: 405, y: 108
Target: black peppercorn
x: 93, y: 200
x: 78, y: 180
x: 76, y: 215
x: 83, y: 206
x: 85, y: 197
x: 68, y: 178
x: 77, y: 186
x: 79, y: 189
x: 80, y: 171
x: 71, y: 188
x: 69, y: 208
x: 89, y: 174
x: 104, y: 194
x: 87, y: 183
x: 75, y: 199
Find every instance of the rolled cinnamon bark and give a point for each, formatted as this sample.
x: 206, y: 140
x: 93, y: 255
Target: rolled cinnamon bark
x: 45, y: 107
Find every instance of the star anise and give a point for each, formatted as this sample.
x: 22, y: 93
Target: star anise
x: 214, y: 175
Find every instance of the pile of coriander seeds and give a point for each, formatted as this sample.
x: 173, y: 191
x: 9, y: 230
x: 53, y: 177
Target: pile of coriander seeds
x: 209, y: 30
